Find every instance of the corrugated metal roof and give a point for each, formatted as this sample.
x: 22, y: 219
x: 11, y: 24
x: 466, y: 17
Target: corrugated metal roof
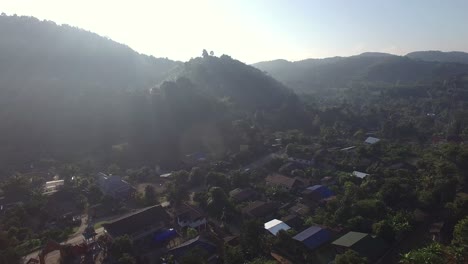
x: 371, y: 140
x: 349, y: 239
x: 275, y: 225
x: 313, y: 236
x: 359, y: 174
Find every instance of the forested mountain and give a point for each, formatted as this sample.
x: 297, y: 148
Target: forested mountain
x: 339, y: 72
x: 232, y: 80
x: 61, y: 86
x: 66, y: 93
x: 435, y: 55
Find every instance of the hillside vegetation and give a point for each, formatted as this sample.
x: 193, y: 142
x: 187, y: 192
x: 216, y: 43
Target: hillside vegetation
x: 312, y: 75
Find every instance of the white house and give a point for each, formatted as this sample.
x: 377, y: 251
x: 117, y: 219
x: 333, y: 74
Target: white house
x: 275, y: 225
x: 359, y: 174
x: 371, y: 140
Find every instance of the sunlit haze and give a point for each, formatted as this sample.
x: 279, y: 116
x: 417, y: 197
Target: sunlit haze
x: 253, y: 31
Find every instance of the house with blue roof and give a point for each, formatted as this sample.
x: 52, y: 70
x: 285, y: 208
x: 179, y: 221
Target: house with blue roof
x: 317, y: 193
x: 313, y: 237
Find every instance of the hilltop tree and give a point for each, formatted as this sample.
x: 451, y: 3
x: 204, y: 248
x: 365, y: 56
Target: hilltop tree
x: 350, y: 257
x: 150, y: 195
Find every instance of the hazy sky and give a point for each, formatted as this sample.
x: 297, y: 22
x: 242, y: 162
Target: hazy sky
x: 257, y: 30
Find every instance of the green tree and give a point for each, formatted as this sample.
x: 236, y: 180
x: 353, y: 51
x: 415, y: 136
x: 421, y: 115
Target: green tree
x: 120, y: 246
x: 233, y: 255
x: 191, y: 232
x: 150, y: 195
x: 262, y: 261
x: 218, y: 202
x: 252, y: 238
x: 126, y: 259
x: 432, y: 254
x: 460, y: 236
x: 350, y: 257
x: 196, y: 176
x: 94, y: 194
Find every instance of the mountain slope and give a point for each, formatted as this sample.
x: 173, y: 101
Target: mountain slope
x: 316, y: 74
x: 45, y: 54
x: 440, y: 56
x: 65, y: 91
x: 68, y: 94
x: 241, y: 84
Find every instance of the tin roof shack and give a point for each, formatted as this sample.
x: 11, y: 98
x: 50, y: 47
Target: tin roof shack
x: 366, y: 245
x: 281, y: 181
x: 317, y: 193
x: 260, y: 209
x: 53, y: 186
x: 198, y: 247
x: 139, y: 225
x: 313, y: 237
x: 114, y: 186
x: 189, y: 216
x: 242, y: 195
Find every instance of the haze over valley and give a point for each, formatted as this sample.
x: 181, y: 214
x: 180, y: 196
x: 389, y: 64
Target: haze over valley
x: 111, y: 155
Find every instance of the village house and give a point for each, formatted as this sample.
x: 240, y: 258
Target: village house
x: 114, y: 186
x: 293, y: 220
x: 239, y: 195
x: 363, y: 243
x: 275, y: 225
x: 359, y: 174
x: 300, y: 209
x: 260, y: 209
x: 139, y: 225
x: 53, y: 186
x: 317, y: 192
x: 371, y: 140
x: 281, y: 181
x: 305, y: 162
x: 204, y: 247
x: 313, y: 237
x: 189, y: 216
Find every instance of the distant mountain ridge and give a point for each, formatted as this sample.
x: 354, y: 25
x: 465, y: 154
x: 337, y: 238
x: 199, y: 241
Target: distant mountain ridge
x: 335, y: 72
x: 440, y: 56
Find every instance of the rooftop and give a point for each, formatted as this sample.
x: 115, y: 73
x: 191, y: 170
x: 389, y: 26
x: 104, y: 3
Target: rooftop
x: 313, y: 236
x: 241, y: 195
x: 188, y: 213
x: 275, y: 225
x: 359, y: 174
x: 371, y: 140
x: 134, y: 222
x: 260, y: 209
x: 281, y: 180
x: 349, y: 239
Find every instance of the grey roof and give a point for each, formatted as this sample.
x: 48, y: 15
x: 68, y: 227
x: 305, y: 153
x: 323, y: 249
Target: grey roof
x: 137, y: 221
x: 371, y: 140
x: 349, y: 239
x: 307, y: 233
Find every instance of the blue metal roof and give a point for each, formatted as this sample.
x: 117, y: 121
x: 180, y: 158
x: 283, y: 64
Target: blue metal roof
x: 313, y: 237
x: 321, y: 190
